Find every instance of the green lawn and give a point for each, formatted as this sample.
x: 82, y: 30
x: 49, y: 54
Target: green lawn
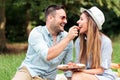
x: 116, y: 52
x: 10, y: 62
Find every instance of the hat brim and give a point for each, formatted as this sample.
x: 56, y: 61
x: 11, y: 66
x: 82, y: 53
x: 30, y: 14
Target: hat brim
x: 93, y: 17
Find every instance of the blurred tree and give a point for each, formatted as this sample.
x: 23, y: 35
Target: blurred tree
x: 2, y: 26
x: 29, y: 14
x: 23, y: 15
x: 111, y: 4
x: 15, y: 22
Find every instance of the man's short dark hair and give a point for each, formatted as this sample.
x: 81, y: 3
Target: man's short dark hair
x: 52, y: 8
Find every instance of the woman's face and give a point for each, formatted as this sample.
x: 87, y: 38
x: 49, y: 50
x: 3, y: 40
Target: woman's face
x: 83, y: 24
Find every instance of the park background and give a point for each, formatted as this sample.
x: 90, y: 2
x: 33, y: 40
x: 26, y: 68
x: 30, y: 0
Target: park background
x: 19, y: 17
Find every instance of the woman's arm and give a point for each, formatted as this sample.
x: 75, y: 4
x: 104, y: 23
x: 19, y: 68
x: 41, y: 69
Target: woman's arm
x: 94, y: 71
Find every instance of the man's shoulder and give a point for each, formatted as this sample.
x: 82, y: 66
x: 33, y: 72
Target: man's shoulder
x: 38, y: 28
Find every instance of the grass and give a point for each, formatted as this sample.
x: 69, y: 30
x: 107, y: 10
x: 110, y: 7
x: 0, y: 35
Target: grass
x: 10, y: 62
x: 116, y: 50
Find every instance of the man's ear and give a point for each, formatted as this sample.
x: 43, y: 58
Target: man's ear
x: 50, y: 17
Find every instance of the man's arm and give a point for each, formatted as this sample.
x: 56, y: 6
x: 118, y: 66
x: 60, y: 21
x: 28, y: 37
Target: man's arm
x: 58, y: 48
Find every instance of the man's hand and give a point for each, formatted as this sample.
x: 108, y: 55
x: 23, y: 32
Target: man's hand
x: 73, y: 32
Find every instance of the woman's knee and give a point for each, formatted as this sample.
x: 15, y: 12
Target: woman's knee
x: 76, y: 76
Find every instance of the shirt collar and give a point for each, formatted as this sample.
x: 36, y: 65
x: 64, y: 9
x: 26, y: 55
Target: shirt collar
x: 46, y: 30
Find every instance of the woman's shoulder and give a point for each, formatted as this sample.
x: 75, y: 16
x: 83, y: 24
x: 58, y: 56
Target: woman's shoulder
x: 106, y: 39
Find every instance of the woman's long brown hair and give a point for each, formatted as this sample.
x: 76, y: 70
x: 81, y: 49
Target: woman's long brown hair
x: 90, y: 47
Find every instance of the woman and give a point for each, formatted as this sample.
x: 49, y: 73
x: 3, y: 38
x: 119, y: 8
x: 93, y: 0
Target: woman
x: 93, y: 48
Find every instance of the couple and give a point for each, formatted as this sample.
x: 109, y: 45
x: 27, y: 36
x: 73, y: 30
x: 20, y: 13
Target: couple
x: 50, y: 45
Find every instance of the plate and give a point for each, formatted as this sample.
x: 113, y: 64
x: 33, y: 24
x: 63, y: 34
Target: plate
x: 71, y: 67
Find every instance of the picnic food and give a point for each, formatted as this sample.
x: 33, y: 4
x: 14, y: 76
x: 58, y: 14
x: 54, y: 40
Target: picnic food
x: 71, y: 67
x: 115, y: 65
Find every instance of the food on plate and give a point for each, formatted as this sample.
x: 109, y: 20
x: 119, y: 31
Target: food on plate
x: 72, y: 66
x: 115, y: 65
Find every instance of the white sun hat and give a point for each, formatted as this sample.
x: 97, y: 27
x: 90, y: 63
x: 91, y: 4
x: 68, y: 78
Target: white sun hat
x: 96, y: 14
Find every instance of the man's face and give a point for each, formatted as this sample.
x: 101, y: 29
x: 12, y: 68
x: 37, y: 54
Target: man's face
x: 59, y: 20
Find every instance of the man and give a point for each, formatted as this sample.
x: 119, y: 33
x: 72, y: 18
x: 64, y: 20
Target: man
x: 48, y: 46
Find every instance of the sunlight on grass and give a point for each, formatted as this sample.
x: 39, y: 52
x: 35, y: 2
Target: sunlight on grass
x: 116, y: 52
x: 116, y: 49
x: 9, y: 64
